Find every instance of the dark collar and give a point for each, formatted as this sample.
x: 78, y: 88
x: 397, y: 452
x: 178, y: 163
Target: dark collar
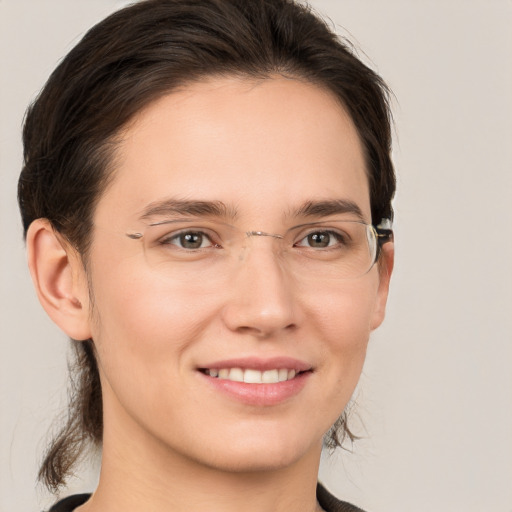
x: 331, y: 504
x: 327, y: 501
x: 70, y: 503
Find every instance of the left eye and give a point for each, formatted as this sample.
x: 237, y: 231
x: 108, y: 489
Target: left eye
x: 189, y: 240
x: 321, y: 240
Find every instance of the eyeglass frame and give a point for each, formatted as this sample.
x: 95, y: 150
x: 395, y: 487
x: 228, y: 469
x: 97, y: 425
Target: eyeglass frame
x: 383, y: 234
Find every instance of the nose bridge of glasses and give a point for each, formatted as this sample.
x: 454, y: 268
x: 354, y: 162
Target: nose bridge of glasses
x: 247, y: 238
x: 263, y: 233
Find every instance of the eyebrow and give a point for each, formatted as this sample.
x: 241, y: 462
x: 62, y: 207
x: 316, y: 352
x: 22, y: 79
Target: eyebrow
x: 195, y: 208
x: 327, y: 208
x: 171, y: 206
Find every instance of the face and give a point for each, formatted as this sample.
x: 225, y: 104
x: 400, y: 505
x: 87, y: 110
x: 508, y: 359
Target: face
x: 262, y: 150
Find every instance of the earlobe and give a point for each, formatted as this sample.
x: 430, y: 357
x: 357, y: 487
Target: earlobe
x: 385, y: 264
x: 59, y: 279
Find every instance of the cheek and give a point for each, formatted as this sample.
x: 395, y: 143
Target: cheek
x: 341, y: 317
x: 140, y: 320
x: 143, y: 332
x: 344, y: 311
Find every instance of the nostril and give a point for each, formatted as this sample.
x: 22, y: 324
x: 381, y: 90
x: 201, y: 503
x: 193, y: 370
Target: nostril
x: 264, y: 330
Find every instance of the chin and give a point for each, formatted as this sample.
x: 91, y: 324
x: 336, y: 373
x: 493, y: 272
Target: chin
x: 252, y: 454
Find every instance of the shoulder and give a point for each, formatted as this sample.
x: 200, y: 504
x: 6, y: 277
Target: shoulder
x: 331, y: 504
x: 70, y: 503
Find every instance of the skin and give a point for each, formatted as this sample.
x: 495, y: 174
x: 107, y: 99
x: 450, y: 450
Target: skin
x: 171, y: 441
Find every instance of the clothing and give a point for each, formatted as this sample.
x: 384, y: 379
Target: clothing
x: 331, y: 504
x: 70, y: 503
x: 327, y: 501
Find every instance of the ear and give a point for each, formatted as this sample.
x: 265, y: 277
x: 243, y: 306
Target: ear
x: 59, y: 279
x: 385, y: 267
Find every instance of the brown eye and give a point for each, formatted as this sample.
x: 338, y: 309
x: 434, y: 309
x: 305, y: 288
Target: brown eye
x: 188, y: 240
x: 191, y: 240
x: 319, y: 240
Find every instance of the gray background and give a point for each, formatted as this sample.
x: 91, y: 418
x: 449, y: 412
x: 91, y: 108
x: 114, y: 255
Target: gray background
x: 435, y: 398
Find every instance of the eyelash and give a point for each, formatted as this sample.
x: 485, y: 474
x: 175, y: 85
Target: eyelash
x: 171, y: 238
x: 339, y: 237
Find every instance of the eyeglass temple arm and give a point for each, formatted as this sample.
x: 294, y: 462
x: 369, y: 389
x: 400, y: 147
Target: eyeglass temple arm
x: 384, y: 230
x: 384, y: 235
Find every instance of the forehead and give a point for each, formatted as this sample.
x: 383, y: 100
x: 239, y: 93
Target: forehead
x: 262, y: 147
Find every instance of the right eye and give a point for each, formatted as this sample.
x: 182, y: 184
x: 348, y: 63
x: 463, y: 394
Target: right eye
x: 189, y: 240
x: 322, y: 239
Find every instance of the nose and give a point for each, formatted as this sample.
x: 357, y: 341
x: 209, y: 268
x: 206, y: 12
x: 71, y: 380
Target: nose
x: 262, y: 301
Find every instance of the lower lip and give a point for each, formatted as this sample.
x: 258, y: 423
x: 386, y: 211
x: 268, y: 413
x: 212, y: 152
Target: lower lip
x: 260, y: 394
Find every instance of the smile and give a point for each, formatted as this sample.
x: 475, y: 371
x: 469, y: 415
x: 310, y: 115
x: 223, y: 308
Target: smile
x: 252, y: 376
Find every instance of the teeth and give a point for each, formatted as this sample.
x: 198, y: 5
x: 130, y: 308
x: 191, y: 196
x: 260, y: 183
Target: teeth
x: 270, y: 376
x: 236, y: 374
x: 283, y: 375
x: 251, y: 376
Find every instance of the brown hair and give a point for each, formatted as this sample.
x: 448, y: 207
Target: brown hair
x: 132, y: 58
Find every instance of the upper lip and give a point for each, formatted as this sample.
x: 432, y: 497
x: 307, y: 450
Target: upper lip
x: 262, y: 364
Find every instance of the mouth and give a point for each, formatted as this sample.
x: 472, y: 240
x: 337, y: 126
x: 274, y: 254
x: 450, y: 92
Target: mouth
x: 256, y: 381
x: 253, y: 376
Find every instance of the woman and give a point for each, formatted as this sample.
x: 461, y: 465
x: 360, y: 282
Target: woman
x: 206, y: 198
